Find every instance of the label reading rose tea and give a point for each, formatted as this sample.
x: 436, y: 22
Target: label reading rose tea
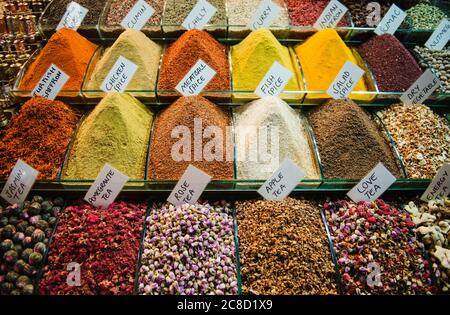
x: 196, y: 79
x: 440, y: 36
x: 345, y: 81
x: 138, y: 16
x: 264, y: 15
x: 19, y: 183
x: 391, y: 21
x: 331, y: 15
x: 200, y: 15
x: 73, y: 17
x: 421, y: 89
x: 119, y: 76
x: 51, y: 83
x: 440, y: 185
x: 190, y: 187
x: 274, y: 81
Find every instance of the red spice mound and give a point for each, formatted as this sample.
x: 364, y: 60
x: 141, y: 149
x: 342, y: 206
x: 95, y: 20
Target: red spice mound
x: 39, y: 135
x: 306, y: 12
x: 105, y: 243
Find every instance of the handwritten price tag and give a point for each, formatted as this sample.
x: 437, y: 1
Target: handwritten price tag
x: 190, y: 187
x: 19, y: 183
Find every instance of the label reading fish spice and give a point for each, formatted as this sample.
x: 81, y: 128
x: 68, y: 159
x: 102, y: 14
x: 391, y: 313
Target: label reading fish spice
x: 421, y: 89
x: 440, y: 185
x: 331, y: 15
x: 440, y: 36
x: 73, y: 17
x: 345, y: 81
x: 274, y: 81
x: 391, y: 21
x: 190, y: 187
x: 200, y: 15
x: 51, y: 83
x: 196, y: 79
x: 373, y: 185
x: 282, y: 182
x: 264, y: 15
x: 119, y: 76
x: 138, y: 16
x: 106, y: 187
x: 19, y: 183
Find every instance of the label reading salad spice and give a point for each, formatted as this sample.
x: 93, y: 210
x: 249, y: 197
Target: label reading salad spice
x: 345, y: 81
x: 138, y: 16
x: 421, y: 89
x: 51, y: 83
x: 440, y: 185
x: 274, y: 81
x: 200, y: 15
x: 391, y: 21
x: 119, y: 76
x: 440, y: 36
x: 331, y: 15
x: 73, y: 17
x: 190, y: 187
x: 106, y: 187
x: 19, y: 183
x: 196, y: 79
x: 264, y: 15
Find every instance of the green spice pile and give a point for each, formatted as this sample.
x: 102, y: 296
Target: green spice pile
x: 438, y: 61
x: 424, y: 16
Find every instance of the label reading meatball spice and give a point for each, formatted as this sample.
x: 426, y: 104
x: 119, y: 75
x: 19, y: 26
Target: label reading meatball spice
x: 345, y: 81
x: 440, y: 185
x: 138, y: 16
x: 51, y: 83
x: 190, y: 187
x: 331, y: 15
x: 119, y: 76
x: 421, y: 89
x: 440, y: 36
x: 106, y: 187
x: 282, y: 182
x: 73, y: 17
x: 264, y: 15
x: 196, y: 79
x: 373, y: 185
x: 274, y: 81
x: 19, y: 183
x: 200, y: 15
x: 391, y: 21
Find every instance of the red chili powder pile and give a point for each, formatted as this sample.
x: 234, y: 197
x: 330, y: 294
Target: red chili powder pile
x: 39, y: 135
x: 306, y: 12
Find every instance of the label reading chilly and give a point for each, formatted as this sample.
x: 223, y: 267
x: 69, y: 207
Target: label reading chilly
x: 138, y: 16
x: 373, y: 185
x: 51, y: 83
x: 440, y: 36
x: 73, y: 17
x: 282, y: 182
x: 200, y: 15
x: 190, y: 187
x: 391, y: 21
x: 106, y: 187
x: 345, y: 81
x: 19, y: 183
x: 440, y: 185
x: 331, y: 15
x: 274, y: 81
x: 119, y: 76
x: 264, y: 15
x: 421, y: 89
x: 196, y: 79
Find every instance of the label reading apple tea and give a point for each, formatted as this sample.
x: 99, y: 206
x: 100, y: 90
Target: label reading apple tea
x: 421, y: 89
x: 119, y: 76
x: 73, y: 17
x: 391, y: 21
x: 440, y: 36
x: 200, y: 15
x: 345, y: 81
x: 190, y: 187
x: 331, y: 15
x: 19, y: 183
x: 267, y: 11
x: 196, y: 79
x: 274, y: 81
x: 440, y: 185
x: 138, y: 16
x: 51, y: 83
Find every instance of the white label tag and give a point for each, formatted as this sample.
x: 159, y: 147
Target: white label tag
x: 190, y: 187
x: 73, y: 17
x: 421, y: 89
x: 440, y: 36
x: 51, y: 83
x: 196, y: 79
x: 106, y: 187
x: 331, y: 15
x: 274, y: 81
x: 440, y: 185
x: 373, y: 185
x: 119, y: 76
x: 282, y: 182
x: 391, y: 21
x: 345, y: 81
x: 138, y: 16
x: 19, y: 183
x: 264, y: 15
x: 200, y: 15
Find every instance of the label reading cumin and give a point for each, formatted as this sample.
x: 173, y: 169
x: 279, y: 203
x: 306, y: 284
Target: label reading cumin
x: 73, y: 17
x: 264, y: 15
x: 190, y: 187
x: 391, y: 21
x: 439, y: 186
x: 440, y: 36
x: 19, y: 183
x: 196, y: 79
x: 51, y: 83
x: 421, y: 89
x: 138, y: 16
x: 345, y: 81
x: 331, y: 15
x: 200, y: 15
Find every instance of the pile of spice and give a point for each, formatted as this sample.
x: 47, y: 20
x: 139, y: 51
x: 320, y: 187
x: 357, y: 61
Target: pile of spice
x: 438, y: 61
x: 361, y: 14
x: 191, y: 131
x: 377, y: 249
x: 39, y: 135
x: 270, y: 120
x: 24, y: 237
x: 424, y: 16
x: 105, y: 245
x: 284, y: 248
x: 116, y: 132
x: 307, y: 12
x: 189, y: 250
x: 421, y: 136
x: 350, y: 143
x: 322, y: 56
x: 394, y: 67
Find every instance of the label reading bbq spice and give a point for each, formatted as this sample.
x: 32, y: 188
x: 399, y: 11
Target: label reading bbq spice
x: 106, y: 187
x: 200, y: 15
x: 440, y: 185
x: 119, y: 76
x: 190, y: 187
x: 51, y: 83
x: 282, y: 182
x: 373, y: 185
x: 73, y: 17
x: 440, y: 36
x: 391, y: 21
x: 196, y: 79
x: 331, y: 15
x: 138, y: 16
x: 421, y: 89
x: 264, y: 15
x: 19, y: 183
x: 345, y: 81
x: 274, y: 81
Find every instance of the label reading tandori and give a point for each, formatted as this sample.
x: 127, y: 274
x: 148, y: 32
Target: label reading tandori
x: 345, y: 81
x: 106, y: 187
x: 51, y: 83
x: 73, y: 17
x: 440, y: 36
x: 264, y: 15
x: 440, y: 185
x: 19, y: 183
x: 331, y: 15
x: 421, y: 89
x: 282, y: 182
x: 391, y: 21
x: 200, y: 15
x: 138, y: 16
x: 119, y: 76
x: 190, y: 187
x: 274, y: 81
x: 373, y: 185
x: 196, y: 79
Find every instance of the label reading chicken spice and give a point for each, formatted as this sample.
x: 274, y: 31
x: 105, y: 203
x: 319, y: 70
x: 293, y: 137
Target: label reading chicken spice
x: 19, y: 183
x: 345, y: 81
x: 190, y: 187
x: 331, y: 15
x: 51, y: 83
x: 264, y: 15
x: 119, y: 76
x: 196, y: 79
x: 440, y: 185
x: 391, y: 21
x: 106, y: 187
x: 421, y: 89
x: 200, y: 15
x: 138, y: 16
x: 440, y: 36
x: 73, y: 17
x: 274, y: 81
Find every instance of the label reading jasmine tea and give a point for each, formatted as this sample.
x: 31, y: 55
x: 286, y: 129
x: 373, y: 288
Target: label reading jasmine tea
x: 331, y: 15
x: 51, y: 83
x: 421, y: 89
x: 440, y: 36
x: 264, y: 15
x: 73, y: 17
x: 119, y: 76
x: 274, y: 81
x: 391, y: 21
x: 138, y: 16
x: 196, y: 79
x: 440, y: 185
x: 190, y: 187
x: 345, y: 81
x: 200, y: 15
x: 19, y: 183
